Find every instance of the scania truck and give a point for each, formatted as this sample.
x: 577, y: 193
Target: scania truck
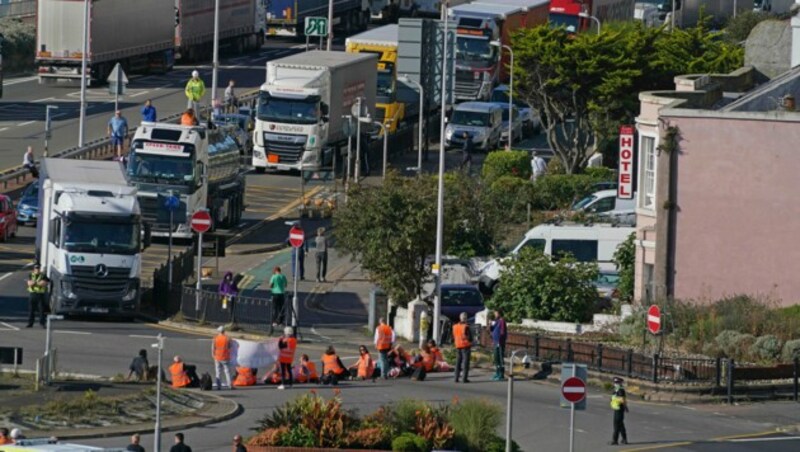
x: 574, y: 15
x: 300, y: 109
x: 199, y: 166
x: 90, y: 237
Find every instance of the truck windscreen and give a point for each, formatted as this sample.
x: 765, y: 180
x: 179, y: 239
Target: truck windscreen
x: 470, y: 118
x: 161, y: 169
x: 93, y: 234
x: 564, y: 20
x: 300, y: 110
x: 475, y: 51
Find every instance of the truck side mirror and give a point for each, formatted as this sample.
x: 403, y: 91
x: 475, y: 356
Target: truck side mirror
x: 147, y: 240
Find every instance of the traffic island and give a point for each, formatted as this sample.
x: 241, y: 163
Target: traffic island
x: 93, y: 409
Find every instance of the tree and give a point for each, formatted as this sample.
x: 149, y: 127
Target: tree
x: 738, y: 28
x: 625, y: 260
x: 534, y: 286
x: 585, y: 85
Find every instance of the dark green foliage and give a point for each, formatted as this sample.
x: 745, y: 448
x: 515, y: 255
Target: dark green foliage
x: 625, y: 260
x: 19, y: 45
x: 506, y: 163
x: 409, y: 442
x: 738, y: 28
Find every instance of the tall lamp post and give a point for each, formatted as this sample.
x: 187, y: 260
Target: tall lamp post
x: 84, y: 51
x: 437, y: 270
x: 408, y: 79
x: 586, y: 15
x: 500, y: 47
x: 330, y: 24
x: 215, y: 63
x: 157, y: 430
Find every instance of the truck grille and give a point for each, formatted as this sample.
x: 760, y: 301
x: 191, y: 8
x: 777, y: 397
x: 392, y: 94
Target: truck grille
x: 467, y: 87
x: 157, y: 216
x: 86, y: 281
x: 288, y: 148
x: 148, y: 207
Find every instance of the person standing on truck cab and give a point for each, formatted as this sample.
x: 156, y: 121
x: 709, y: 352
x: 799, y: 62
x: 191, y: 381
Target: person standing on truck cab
x: 195, y: 90
x: 37, y: 288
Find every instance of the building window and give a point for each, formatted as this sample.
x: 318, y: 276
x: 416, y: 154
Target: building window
x: 647, y: 193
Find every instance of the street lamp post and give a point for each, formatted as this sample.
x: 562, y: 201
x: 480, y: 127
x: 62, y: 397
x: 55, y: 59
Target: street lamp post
x: 215, y: 63
x: 586, y: 15
x: 330, y: 24
x: 84, y: 51
x: 408, y: 79
x: 437, y: 305
x: 157, y: 431
x: 48, y: 132
x: 47, y: 346
x: 385, y: 147
x: 502, y: 46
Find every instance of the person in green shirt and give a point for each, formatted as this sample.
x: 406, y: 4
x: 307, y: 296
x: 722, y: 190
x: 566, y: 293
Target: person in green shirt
x: 277, y: 286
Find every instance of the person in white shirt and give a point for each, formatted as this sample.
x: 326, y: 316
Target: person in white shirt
x: 29, y: 163
x: 538, y: 167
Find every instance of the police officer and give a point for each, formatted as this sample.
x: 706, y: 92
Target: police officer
x: 37, y: 287
x: 620, y: 405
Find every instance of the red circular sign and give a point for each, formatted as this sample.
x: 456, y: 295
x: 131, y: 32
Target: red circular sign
x: 296, y: 236
x: 654, y: 319
x: 201, y: 221
x: 573, y: 389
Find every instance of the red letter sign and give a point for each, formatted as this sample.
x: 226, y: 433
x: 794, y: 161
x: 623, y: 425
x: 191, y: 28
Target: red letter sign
x: 625, y: 182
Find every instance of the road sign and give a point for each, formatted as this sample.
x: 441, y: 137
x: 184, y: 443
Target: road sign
x: 573, y: 389
x: 654, y: 319
x: 201, y: 221
x: 172, y: 203
x: 213, y: 245
x: 316, y: 26
x: 296, y: 236
x: 117, y: 81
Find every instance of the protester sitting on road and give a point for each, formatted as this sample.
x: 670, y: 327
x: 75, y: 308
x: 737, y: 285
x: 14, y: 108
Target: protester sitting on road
x: 183, y: 375
x: 399, y: 362
x: 139, y: 366
x: 16, y: 435
x: 332, y: 368
x: 306, y: 371
x: 273, y: 377
x: 245, y: 376
x: 365, y: 366
x: 440, y: 365
x: 425, y: 359
x: 5, y: 437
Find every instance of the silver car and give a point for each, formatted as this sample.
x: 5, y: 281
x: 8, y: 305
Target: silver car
x: 516, y: 126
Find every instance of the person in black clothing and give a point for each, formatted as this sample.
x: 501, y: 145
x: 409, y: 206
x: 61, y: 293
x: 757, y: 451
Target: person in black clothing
x: 619, y: 404
x: 139, y: 366
x: 467, y: 150
x: 179, y: 446
x: 134, y: 445
x: 237, y: 444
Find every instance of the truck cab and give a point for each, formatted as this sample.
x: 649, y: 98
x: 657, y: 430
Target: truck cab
x: 476, y: 59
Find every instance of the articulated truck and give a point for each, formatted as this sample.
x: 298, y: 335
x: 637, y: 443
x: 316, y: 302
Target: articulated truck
x: 199, y: 166
x: 299, y: 115
x: 287, y: 17
x: 242, y: 26
x: 574, y: 15
x: 90, y: 237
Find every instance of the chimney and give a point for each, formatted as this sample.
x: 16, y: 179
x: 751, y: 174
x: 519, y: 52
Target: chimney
x: 795, y: 22
x: 788, y: 102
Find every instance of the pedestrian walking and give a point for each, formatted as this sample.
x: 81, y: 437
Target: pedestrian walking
x: 231, y: 102
x: 238, y: 445
x: 149, y: 112
x: 321, y: 254
x: 619, y: 404
x: 118, y: 130
x: 195, y: 90
x: 286, y: 346
x: 228, y: 291
x: 179, y: 445
x: 538, y: 166
x: 499, y: 336
x: 462, y: 335
x: 466, y: 152
x: 37, y: 289
x: 384, y: 338
x: 277, y: 286
x: 29, y: 162
x: 221, y: 352
x: 134, y: 446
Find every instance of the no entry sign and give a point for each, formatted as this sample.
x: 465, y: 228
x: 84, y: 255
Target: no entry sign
x: 573, y: 389
x: 654, y: 319
x: 296, y: 236
x: 201, y: 221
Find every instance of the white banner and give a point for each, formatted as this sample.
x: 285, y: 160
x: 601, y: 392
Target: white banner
x: 255, y: 355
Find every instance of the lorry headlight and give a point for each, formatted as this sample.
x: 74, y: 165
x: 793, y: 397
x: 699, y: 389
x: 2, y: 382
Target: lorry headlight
x: 66, y: 289
x: 258, y: 154
x: 448, y: 134
x: 131, y: 294
x: 487, y: 76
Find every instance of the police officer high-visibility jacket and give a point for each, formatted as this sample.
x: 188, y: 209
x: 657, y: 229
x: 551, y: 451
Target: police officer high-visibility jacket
x: 195, y: 89
x: 37, y: 279
x: 618, y: 400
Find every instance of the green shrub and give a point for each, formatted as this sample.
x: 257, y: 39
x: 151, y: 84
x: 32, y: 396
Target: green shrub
x: 600, y: 173
x: 498, y: 444
x: 625, y: 260
x: 766, y: 348
x: 475, y: 423
x: 19, y: 45
x: 791, y: 350
x: 559, y: 191
x: 298, y: 436
x: 555, y: 166
x: 630, y: 329
x: 734, y: 344
x: 506, y: 163
x: 404, y: 414
x: 409, y: 442
x: 509, y: 196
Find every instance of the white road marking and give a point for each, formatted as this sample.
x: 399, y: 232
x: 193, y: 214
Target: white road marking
x: 6, y: 275
x: 25, y: 123
x: 3, y: 129
x: 82, y: 333
x: 204, y: 339
x: 18, y: 81
x: 142, y: 336
x: 139, y: 94
x: 44, y: 100
x: 755, y: 440
x: 9, y: 327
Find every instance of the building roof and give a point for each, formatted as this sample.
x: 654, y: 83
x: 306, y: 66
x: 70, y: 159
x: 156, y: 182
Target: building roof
x: 769, y: 96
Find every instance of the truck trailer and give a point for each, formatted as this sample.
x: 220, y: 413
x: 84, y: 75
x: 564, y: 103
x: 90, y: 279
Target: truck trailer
x: 139, y: 35
x: 287, y: 17
x: 301, y: 105
x: 90, y: 237
x: 242, y: 26
x: 199, y: 166
x: 567, y: 13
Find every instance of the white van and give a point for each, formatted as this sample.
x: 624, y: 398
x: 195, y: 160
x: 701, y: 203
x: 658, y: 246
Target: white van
x: 595, y: 243
x: 605, y: 204
x: 482, y: 121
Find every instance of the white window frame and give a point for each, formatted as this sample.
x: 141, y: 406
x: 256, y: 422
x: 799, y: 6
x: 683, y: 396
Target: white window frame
x: 643, y: 193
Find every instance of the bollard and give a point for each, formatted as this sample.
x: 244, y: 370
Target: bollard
x: 424, y: 323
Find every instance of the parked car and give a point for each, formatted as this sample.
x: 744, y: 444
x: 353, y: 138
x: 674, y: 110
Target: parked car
x: 28, y: 206
x: 8, y: 218
x: 516, y: 128
x: 606, y: 284
x: 530, y: 117
x: 458, y: 298
x: 605, y: 204
x: 244, y: 128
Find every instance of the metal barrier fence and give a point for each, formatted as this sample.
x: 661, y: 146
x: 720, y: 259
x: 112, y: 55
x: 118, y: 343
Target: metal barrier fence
x: 18, y: 8
x: 165, y: 298
x: 252, y: 313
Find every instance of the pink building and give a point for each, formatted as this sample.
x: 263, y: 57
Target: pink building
x: 718, y: 185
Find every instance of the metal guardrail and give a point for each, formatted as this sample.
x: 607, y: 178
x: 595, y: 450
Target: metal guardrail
x: 18, y: 8
x: 251, y: 313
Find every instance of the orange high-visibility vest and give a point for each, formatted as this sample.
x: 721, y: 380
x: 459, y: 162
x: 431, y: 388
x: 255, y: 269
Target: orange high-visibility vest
x: 428, y: 360
x: 384, y: 337
x: 306, y: 372
x: 244, y: 377
x: 179, y: 377
x: 437, y: 354
x: 187, y: 120
x: 222, y: 348
x: 366, y: 367
x: 460, y: 335
x: 287, y: 354
x: 330, y: 363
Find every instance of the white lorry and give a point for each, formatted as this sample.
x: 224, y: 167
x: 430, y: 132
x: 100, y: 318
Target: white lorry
x: 299, y: 116
x: 90, y: 237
